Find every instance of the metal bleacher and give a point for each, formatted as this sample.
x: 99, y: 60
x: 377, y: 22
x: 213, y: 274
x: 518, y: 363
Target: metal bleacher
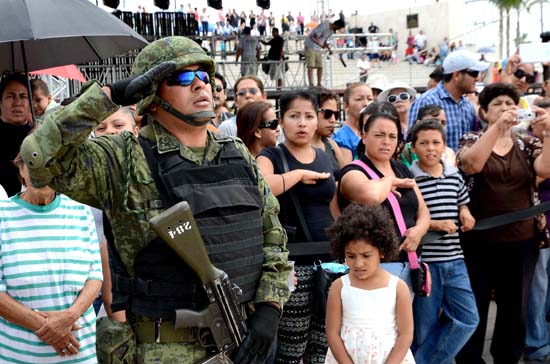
x: 157, y: 25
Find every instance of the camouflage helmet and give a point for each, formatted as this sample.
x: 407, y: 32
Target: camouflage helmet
x: 182, y: 50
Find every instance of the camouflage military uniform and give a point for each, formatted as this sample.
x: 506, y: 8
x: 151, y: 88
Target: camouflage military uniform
x: 111, y: 173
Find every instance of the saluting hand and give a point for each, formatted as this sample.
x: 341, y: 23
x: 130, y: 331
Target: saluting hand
x: 401, y: 183
x: 132, y: 89
x: 311, y: 177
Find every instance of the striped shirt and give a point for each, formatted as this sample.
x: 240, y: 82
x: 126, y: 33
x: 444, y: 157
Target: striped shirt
x: 461, y: 115
x: 443, y: 196
x: 47, y: 253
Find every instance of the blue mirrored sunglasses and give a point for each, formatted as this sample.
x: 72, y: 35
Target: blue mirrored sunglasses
x: 185, y: 78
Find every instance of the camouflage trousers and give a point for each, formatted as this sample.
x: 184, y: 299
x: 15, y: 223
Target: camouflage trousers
x: 116, y: 344
x: 173, y: 353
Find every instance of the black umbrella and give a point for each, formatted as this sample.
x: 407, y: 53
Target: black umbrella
x: 38, y: 34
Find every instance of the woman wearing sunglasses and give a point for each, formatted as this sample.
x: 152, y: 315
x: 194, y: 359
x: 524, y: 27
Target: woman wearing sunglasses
x: 401, y: 95
x: 257, y: 126
x: 309, y: 181
x: 521, y: 75
x: 326, y: 119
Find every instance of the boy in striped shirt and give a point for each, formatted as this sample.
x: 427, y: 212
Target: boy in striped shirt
x: 438, y: 339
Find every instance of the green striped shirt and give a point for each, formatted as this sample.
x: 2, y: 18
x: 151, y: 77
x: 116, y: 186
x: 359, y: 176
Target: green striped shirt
x: 47, y: 253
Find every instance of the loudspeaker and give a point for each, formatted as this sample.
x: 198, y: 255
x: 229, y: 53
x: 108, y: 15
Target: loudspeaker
x: 545, y: 37
x: 111, y: 3
x: 163, y: 4
x: 264, y: 4
x: 215, y: 4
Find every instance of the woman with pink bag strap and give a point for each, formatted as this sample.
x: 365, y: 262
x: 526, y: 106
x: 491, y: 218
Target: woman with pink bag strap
x: 381, y: 142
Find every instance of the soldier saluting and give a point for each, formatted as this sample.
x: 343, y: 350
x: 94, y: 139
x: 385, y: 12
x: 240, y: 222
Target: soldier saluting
x: 133, y: 179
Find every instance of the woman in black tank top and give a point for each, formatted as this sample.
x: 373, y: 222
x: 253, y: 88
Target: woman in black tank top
x: 309, y: 177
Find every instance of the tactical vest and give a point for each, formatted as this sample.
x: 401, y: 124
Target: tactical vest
x: 226, y: 204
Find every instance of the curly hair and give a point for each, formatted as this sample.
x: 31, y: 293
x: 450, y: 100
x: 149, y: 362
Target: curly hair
x: 364, y: 222
x: 495, y: 90
x: 249, y: 118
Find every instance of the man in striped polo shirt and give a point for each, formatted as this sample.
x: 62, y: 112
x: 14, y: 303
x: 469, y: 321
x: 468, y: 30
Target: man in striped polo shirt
x: 438, y: 339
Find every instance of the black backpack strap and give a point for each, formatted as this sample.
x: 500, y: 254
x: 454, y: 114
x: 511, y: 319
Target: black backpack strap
x: 293, y: 198
x: 149, y: 149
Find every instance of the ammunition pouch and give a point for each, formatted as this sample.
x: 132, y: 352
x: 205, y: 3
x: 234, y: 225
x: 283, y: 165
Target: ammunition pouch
x: 115, y: 342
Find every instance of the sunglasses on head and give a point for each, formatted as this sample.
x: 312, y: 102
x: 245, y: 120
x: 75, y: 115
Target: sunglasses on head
x: 403, y: 96
x: 471, y: 73
x: 218, y: 88
x: 251, y: 90
x: 529, y: 78
x: 185, y: 78
x: 327, y: 113
x: 269, y: 124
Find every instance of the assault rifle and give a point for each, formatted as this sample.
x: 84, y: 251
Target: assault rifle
x: 177, y: 227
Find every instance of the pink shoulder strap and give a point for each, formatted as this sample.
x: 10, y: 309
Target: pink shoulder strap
x: 413, y: 258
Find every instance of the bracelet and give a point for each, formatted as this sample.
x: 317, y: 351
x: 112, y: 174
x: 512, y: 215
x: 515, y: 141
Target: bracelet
x: 284, y: 186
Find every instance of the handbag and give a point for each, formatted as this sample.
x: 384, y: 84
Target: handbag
x: 420, y: 272
x: 323, y: 276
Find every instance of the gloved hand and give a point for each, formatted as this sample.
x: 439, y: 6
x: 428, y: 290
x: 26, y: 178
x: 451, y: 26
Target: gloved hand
x: 132, y: 89
x: 262, y: 331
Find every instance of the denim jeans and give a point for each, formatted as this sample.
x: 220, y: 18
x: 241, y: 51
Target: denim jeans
x: 437, y: 340
x: 537, y: 340
x: 402, y: 270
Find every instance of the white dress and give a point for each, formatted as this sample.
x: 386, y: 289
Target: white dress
x: 369, y: 327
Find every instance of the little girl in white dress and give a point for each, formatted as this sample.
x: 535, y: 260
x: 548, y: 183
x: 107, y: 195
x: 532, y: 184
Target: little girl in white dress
x: 369, y: 311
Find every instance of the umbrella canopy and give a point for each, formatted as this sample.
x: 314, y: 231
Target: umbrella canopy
x: 49, y: 33
x: 70, y: 71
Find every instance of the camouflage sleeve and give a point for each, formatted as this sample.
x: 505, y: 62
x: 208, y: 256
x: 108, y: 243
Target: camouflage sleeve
x: 276, y: 268
x: 59, y: 154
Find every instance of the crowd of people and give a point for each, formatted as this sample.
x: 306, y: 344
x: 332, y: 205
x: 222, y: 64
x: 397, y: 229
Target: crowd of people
x: 274, y: 193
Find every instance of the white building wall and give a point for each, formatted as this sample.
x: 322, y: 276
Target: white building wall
x: 437, y: 20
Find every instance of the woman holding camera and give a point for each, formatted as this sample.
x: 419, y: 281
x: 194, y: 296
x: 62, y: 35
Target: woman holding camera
x: 502, y: 167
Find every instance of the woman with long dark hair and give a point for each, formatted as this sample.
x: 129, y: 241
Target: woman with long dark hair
x: 308, y: 179
x: 257, y: 126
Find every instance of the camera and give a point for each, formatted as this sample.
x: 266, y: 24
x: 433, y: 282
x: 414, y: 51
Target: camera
x: 524, y: 118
